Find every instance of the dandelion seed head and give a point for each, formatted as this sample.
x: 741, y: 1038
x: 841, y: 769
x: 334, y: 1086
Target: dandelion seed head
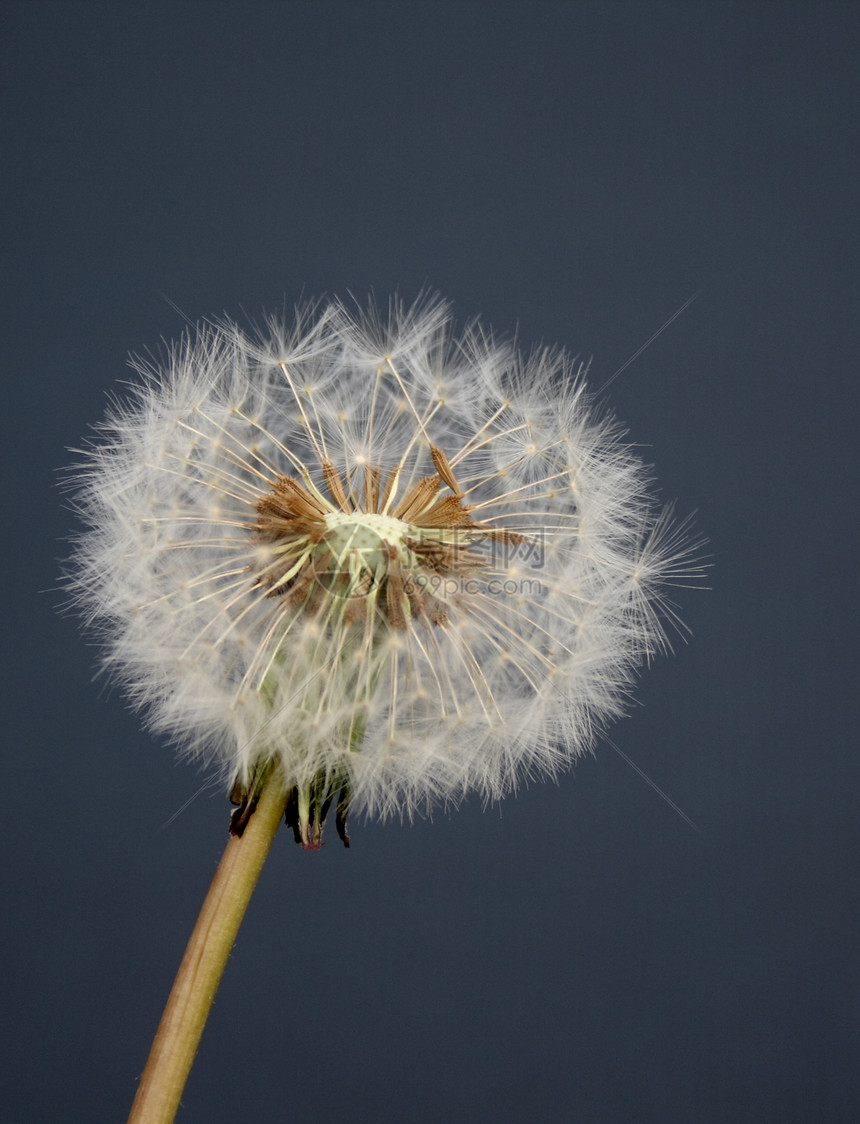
x: 411, y: 563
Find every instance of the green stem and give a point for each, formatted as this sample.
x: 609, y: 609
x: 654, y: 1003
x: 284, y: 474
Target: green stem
x: 178, y: 1035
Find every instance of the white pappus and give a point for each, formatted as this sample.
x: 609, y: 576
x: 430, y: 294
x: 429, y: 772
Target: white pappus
x: 402, y: 564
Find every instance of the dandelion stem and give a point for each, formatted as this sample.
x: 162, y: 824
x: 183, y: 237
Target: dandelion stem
x: 200, y: 972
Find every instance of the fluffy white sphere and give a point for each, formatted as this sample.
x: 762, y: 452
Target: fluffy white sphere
x: 392, y: 560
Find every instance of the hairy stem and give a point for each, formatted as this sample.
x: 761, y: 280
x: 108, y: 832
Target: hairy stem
x: 200, y: 972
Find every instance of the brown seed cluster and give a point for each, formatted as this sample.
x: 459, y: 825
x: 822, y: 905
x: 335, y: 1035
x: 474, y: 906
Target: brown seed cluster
x: 311, y: 565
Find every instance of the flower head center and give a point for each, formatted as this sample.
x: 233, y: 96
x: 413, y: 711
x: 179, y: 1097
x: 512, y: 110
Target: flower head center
x: 398, y: 567
x: 366, y: 533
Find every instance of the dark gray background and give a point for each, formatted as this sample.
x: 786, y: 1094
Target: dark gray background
x: 574, y: 171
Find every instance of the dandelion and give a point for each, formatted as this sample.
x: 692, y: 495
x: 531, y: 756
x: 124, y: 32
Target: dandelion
x: 383, y: 564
